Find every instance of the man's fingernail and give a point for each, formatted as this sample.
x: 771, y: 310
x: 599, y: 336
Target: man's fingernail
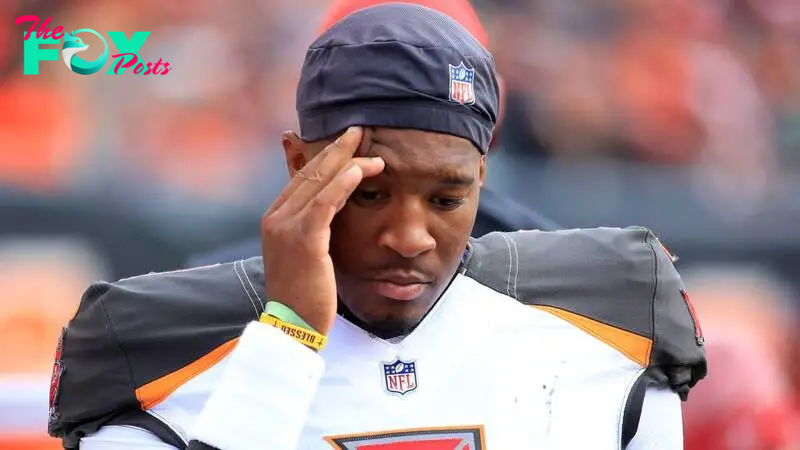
x: 355, y: 169
x: 349, y: 132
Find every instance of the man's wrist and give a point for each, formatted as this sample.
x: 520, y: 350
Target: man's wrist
x: 286, y: 314
x: 282, y: 317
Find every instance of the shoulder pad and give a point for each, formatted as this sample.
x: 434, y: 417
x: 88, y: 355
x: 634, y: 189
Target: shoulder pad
x: 133, y: 342
x: 618, y: 284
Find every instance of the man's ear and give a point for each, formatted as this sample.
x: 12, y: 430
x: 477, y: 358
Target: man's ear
x: 296, y: 151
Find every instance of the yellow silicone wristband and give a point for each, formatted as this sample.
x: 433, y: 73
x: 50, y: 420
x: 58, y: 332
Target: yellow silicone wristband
x: 286, y: 314
x: 307, y: 337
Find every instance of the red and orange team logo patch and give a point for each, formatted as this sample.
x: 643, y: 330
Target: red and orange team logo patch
x: 55, y: 382
x: 698, y: 330
x: 466, y: 438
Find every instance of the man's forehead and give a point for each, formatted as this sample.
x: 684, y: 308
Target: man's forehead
x: 423, y: 153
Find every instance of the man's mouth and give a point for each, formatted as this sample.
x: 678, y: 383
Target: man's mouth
x: 403, y: 286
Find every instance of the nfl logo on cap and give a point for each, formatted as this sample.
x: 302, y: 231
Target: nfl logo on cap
x: 400, y: 376
x: 462, y: 84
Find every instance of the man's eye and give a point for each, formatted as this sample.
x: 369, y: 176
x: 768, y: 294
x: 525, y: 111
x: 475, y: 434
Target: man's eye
x: 368, y: 197
x: 448, y: 203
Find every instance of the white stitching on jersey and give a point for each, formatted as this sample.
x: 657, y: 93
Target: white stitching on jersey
x: 516, y: 265
x: 166, y: 272
x: 255, y: 292
x: 508, y: 283
x: 255, y: 308
x: 166, y: 422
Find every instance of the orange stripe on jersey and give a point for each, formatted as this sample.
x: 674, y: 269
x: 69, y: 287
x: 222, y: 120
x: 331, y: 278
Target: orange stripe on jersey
x: 635, y: 347
x: 154, y: 392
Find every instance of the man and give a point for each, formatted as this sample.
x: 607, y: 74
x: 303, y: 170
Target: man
x: 372, y: 320
x: 496, y: 212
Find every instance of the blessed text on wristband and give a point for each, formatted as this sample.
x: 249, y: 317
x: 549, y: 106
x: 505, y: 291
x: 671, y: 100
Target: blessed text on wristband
x: 305, y: 336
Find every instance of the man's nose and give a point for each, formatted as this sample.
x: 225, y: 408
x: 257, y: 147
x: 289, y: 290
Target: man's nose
x: 406, y: 231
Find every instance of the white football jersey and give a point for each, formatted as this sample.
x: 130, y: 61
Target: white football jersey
x: 542, y: 341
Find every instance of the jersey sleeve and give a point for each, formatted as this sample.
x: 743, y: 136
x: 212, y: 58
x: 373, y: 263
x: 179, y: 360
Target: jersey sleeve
x: 617, y: 284
x: 259, y: 404
x: 135, y: 341
x: 91, y: 378
x: 678, y: 356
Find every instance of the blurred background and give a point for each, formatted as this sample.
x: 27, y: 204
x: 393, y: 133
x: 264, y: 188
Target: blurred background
x: 680, y: 115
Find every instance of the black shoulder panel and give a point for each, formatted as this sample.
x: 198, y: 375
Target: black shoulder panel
x: 619, y: 278
x: 132, y: 332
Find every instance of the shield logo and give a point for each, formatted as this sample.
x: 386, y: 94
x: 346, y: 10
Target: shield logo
x: 400, y: 377
x: 462, y: 84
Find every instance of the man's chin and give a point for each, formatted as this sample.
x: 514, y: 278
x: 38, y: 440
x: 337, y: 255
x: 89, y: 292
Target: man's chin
x: 386, y: 317
x: 395, y: 319
x: 391, y: 327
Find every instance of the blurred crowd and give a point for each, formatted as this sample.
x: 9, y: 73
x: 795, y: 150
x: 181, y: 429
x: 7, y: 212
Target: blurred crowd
x: 707, y: 87
x: 711, y: 83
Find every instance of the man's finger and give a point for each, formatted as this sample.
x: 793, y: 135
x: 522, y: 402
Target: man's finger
x: 296, y: 202
x: 340, y: 155
x: 320, y: 210
x: 321, y: 169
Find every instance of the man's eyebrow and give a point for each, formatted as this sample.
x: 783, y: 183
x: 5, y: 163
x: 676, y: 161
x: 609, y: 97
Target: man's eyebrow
x: 455, y: 179
x: 442, y: 176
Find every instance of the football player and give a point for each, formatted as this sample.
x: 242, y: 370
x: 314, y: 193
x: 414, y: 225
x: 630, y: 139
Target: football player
x: 372, y: 320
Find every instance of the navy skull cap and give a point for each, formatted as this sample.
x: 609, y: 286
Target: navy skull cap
x: 398, y: 65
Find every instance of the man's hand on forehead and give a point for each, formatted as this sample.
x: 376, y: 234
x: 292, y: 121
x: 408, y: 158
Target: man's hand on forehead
x: 295, y: 230
x: 365, y: 149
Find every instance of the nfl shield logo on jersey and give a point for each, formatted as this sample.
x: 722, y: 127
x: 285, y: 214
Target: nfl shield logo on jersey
x: 400, y: 376
x: 462, y: 84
